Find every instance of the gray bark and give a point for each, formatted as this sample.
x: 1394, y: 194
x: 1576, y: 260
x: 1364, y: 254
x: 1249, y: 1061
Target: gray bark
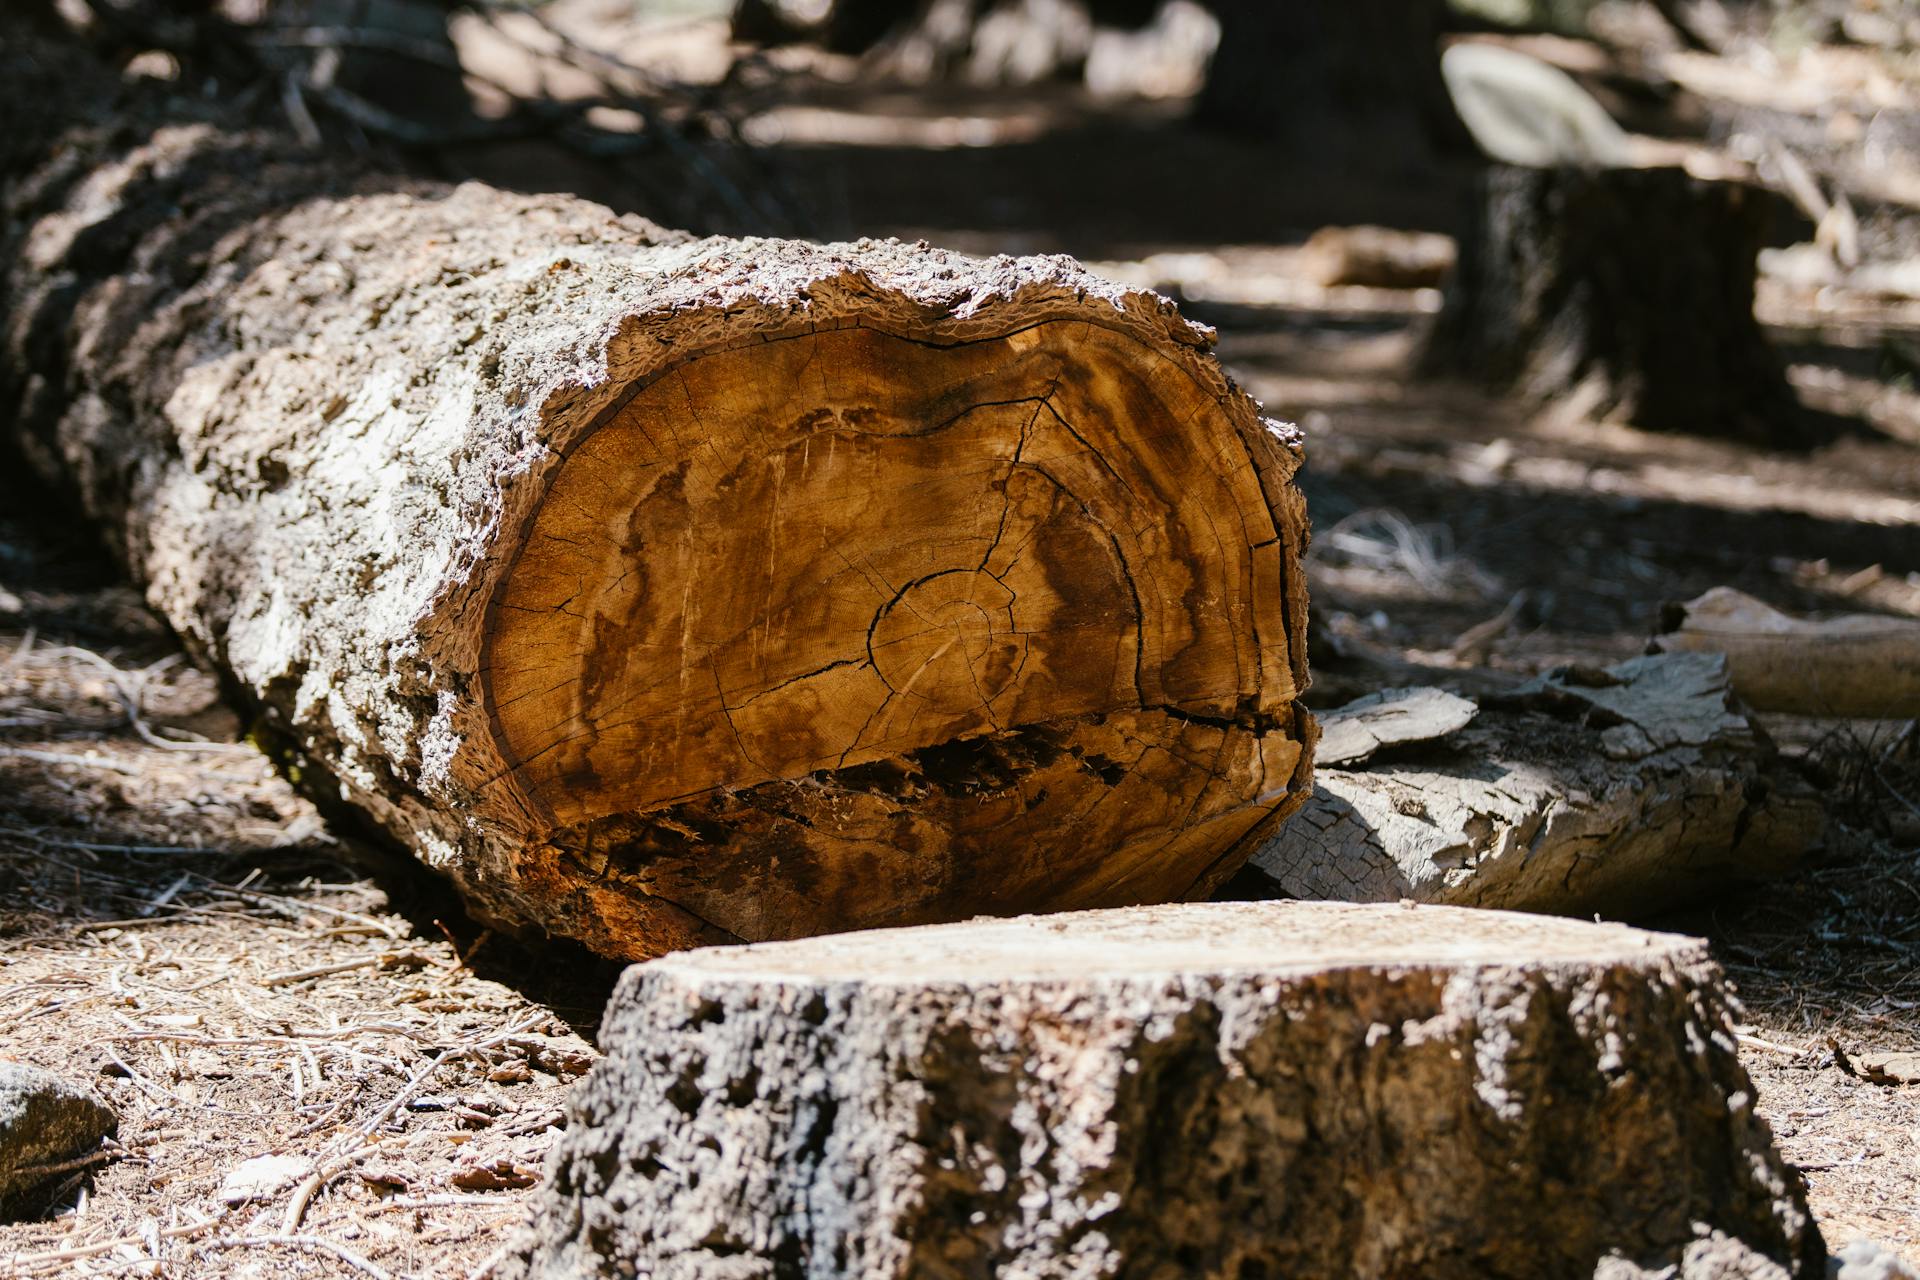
x: 1625, y: 792
x: 1283, y: 1089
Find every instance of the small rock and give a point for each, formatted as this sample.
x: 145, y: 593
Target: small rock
x: 262, y: 1177
x: 1865, y: 1260
x: 43, y: 1121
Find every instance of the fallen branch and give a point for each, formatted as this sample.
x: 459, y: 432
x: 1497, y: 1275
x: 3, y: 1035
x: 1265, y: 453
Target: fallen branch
x: 1854, y: 665
x: 312, y: 1244
x: 22, y: 1263
x: 63, y: 758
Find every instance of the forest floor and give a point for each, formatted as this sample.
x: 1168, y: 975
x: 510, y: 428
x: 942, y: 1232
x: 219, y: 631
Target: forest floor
x: 180, y: 929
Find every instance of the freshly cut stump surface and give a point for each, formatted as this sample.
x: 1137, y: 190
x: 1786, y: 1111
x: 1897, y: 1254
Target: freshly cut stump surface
x: 1229, y: 1089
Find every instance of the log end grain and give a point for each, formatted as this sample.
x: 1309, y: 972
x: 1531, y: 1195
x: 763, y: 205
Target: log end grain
x: 886, y: 620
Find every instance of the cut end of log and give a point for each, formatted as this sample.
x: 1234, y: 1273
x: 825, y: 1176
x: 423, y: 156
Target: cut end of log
x: 850, y: 627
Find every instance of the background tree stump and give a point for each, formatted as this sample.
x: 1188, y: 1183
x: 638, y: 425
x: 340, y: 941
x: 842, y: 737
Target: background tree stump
x: 1356, y: 80
x: 1235, y: 1089
x: 1624, y: 293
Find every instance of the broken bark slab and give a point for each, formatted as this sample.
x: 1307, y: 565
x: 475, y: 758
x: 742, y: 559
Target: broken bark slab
x: 1231, y: 1089
x: 663, y: 590
x: 1855, y: 665
x: 1622, y: 792
x: 1389, y: 718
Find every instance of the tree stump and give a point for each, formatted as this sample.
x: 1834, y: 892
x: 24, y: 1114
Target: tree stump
x: 1357, y: 81
x: 1226, y: 1090
x: 665, y: 590
x: 1625, y: 293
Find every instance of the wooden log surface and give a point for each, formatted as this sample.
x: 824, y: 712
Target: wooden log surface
x: 1627, y: 792
x: 1222, y: 1090
x: 664, y: 590
x: 1859, y: 665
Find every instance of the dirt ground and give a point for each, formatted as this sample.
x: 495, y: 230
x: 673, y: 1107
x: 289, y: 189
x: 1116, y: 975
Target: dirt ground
x: 180, y: 929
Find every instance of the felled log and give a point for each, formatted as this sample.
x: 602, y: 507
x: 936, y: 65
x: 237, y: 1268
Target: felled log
x: 664, y: 590
x: 1625, y: 792
x: 1284, y: 1089
x: 1860, y: 665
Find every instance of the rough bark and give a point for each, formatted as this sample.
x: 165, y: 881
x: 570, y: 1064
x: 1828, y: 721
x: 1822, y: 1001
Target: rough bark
x: 1625, y: 792
x: 1863, y: 665
x: 1353, y: 80
x: 663, y: 590
x: 1621, y: 293
x: 1230, y: 1090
